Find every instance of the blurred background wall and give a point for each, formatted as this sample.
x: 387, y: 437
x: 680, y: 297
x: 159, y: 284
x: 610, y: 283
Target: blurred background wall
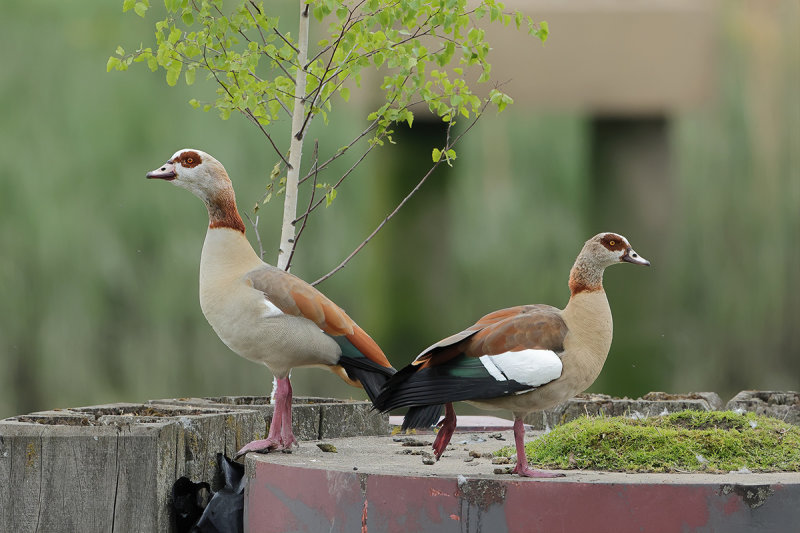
x: 98, y: 267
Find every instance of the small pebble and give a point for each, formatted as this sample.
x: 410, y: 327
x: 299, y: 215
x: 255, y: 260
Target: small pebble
x: 474, y: 454
x: 326, y: 447
x: 487, y: 455
x: 428, y: 460
x: 468, y: 459
x: 500, y: 460
x: 505, y: 470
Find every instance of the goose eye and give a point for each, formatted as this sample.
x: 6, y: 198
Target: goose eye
x: 611, y: 243
x: 189, y: 160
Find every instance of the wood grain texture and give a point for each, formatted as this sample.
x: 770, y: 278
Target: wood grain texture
x: 111, y: 468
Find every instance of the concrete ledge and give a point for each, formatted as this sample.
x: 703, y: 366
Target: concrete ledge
x: 381, y: 485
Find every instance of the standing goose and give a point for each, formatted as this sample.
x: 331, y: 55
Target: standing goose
x: 262, y: 312
x: 525, y: 358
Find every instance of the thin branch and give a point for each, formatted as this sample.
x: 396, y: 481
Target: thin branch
x: 254, y: 223
x: 264, y: 40
x: 279, y: 34
x: 341, y: 152
x: 280, y: 102
x: 336, y: 186
x: 246, y: 111
x: 322, y: 79
x: 422, y: 181
x: 308, y: 210
x: 380, y: 226
x: 383, y: 223
x: 328, y: 47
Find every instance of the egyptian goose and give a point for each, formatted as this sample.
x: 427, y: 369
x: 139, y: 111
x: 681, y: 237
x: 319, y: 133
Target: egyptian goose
x: 262, y: 312
x: 525, y: 358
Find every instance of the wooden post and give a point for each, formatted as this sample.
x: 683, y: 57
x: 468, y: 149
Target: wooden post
x: 112, y: 467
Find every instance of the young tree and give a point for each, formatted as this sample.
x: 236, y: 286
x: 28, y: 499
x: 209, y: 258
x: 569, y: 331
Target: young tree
x: 422, y: 48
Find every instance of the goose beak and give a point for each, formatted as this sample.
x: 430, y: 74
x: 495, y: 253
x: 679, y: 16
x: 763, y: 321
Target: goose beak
x: 167, y: 172
x: 632, y: 257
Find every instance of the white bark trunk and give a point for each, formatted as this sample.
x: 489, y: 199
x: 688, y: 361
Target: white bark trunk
x: 296, y: 146
x: 295, y: 151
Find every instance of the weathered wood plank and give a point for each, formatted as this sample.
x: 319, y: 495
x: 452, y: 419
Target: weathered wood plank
x: 351, y: 419
x: 112, y: 467
x: 104, y: 468
x: 58, y: 477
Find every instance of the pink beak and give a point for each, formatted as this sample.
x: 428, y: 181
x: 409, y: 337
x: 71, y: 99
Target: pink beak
x: 167, y: 172
x: 632, y: 257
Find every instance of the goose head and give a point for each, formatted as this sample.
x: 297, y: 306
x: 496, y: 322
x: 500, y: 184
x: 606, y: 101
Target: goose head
x: 606, y: 249
x: 195, y: 171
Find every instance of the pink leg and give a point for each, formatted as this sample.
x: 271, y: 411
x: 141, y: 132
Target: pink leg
x: 287, y: 436
x: 522, y: 467
x: 446, y: 428
x: 280, y: 435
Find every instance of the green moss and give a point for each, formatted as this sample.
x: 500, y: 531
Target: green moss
x: 688, y: 441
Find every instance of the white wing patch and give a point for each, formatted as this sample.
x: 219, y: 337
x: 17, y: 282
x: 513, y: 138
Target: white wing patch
x: 271, y: 310
x: 531, y: 367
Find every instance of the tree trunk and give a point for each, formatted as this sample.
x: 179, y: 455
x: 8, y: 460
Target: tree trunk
x: 296, y: 146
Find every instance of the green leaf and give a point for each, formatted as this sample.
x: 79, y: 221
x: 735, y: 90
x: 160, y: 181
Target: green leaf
x: 188, y: 18
x: 436, y: 155
x: 140, y: 8
x: 120, y: 51
x: 127, y: 5
x: 543, y: 31
x: 190, y: 76
x: 174, y: 35
x: 321, y: 11
x: 330, y: 196
x: 113, y: 62
x: 172, y: 74
x: 344, y: 92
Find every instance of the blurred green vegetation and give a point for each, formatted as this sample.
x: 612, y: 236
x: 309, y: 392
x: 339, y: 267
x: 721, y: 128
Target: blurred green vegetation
x: 98, y: 299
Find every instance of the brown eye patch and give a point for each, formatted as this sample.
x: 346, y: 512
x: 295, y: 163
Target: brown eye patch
x: 189, y: 159
x: 613, y: 242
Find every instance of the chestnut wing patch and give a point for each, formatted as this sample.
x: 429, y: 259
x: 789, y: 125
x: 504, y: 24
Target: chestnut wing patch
x: 294, y: 296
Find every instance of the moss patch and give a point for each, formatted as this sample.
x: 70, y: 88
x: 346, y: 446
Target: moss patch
x: 688, y: 441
